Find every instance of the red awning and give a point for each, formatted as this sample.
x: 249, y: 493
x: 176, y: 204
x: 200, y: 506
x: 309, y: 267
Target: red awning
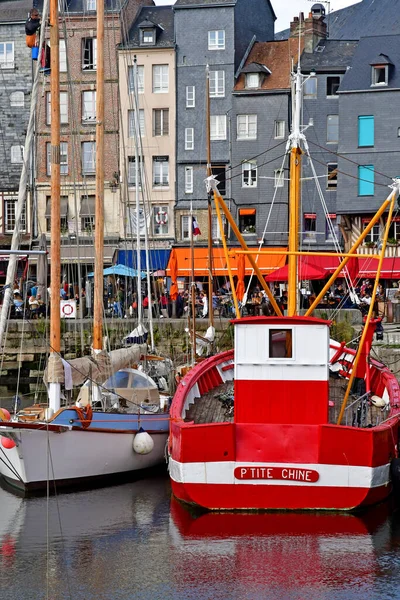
x: 329, y: 264
x: 247, y: 211
x: 307, y: 271
x: 390, y: 268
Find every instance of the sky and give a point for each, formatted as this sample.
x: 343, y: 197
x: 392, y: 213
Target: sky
x: 285, y: 10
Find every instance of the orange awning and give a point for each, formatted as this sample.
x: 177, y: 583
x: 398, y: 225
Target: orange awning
x: 243, y: 212
x: 266, y: 262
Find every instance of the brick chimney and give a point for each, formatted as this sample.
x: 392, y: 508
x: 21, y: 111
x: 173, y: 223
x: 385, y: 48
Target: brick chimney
x: 313, y: 29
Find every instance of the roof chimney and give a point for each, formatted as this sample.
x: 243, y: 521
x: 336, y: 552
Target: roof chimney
x: 313, y: 29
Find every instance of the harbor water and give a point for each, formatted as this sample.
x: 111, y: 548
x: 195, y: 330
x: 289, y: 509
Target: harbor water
x: 135, y: 542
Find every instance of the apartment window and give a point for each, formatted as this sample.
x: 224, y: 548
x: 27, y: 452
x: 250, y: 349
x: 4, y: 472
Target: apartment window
x: 366, y: 131
x: 310, y: 227
x: 131, y: 79
x: 217, y: 84
x: 188, y: 180
x: 63, y: 108
x: 7, y: 55
x: 189, y: 138
x: 218, y: 127
x: 88, y: 158
x: 63, y: 214
x: 247, y: 221
x: 332, y: 86
x: 160, y: 121
x: 132, y: 124
x: 215, y: 228
x: 249, y: 174
x: 186, y: 231
x: 310, y: 87
x: 88, y: 223
x: 63, y: 57
x: 216, y: 40
x: 10, y: 206
x: 17, y: 99
x: 160, y: 171
x: 332, y: 178
x: 63, y: 158
x: 219, y: 173
x: 366, y: 180
x: 160, y: 220
x: 89, y: 54
x: 331, y: 228
x: 90, y: 5
x: 132, y: 171
x: 17, y: 154
x: 160, y: 79
x: 252, y: 81
x: 279, y: 178
x: 279, y: 130
x: 394, y: 231
x: 88, y: 106
x: 332, y: 129
x: 380, y: 75
x: 190, y: 96
x: 148, y: 36
x: 247, y: 127
x: 375, y: 233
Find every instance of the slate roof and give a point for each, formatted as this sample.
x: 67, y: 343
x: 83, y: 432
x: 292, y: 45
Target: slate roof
x: 277, y: 57
x: 78, y: 6
x: 197, y: 3
x: 366, y: 18
x: 160, y: 16
x: 358, y: 77
x: 14, y: 11
x: 329, y: 55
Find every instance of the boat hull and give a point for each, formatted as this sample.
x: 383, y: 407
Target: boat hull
x: 73, y: 457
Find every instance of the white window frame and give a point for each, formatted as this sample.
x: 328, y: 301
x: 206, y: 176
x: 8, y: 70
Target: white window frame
x: 63, y: 158
x: 308, y: 81
x: 217, y: 84
x: 160, y: 79
x: 131, y: 79
x: 279, y: 178
x: 17, y: 155
x: 160, y: 172
x: 217, y: 128
x: 216, y: 39
x: 375, y: 69
x: 63, y: 108
x: 10, y: 201
x: 63, y: 56
x: 279, y: 130
x: 17, y: 99
x: 249, y: 174
x: 90, y: 66
x: 188, y: 180
x: 131, y: 172
x: 186, y: 225
x: 132, y: 123
x: 190, y: 96
x: 148, y: 36
x: 330, y: 127
x: 163, y: 130
x: 164, y: 227
x: 85, y: 151
x: 246, y: 127
x: 89, y: 102
x: 90, y: 5
x: 189, y: 138
x: 252, y: 81
x: 7, y: 59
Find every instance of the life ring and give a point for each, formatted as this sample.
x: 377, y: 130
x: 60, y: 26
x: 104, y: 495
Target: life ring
x: 162, y: 217
x: 67, y: 309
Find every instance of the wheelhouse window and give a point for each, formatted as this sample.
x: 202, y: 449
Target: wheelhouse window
x: 247, y: 221
x: 89, y: 54
x: 216, y: 39
x: 280, y: 343
x: 249, y: 174
x: 310, y: 228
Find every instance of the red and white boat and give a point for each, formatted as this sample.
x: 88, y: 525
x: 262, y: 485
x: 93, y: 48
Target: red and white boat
x: 288, y: 419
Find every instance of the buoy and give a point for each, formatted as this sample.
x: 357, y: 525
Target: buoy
x: 143, y: 442
x: 379, y: 402
x: 4, y: 414
x: 7, y: 443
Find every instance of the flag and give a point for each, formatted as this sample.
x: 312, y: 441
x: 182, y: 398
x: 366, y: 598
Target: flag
x: 195, y: 227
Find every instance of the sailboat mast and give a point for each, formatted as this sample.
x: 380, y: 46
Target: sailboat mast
x: 294, y: 195
x: 137, y: 192
x: 99, y: 207
x: 209, y: 205
x: 55, y: 249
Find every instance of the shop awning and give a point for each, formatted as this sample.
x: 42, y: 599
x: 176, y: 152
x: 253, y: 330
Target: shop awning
x: 88, y: 206
x: 121, y: 271
x: 307, y: 272
x: 266, y: 262
x: 244, y: 212
x: 390, y: 268
x: 158, y: 259
x: 329, y: 264
x: 63, y: 207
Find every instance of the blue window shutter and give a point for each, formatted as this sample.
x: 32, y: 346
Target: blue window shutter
x: 366, y: 131
x: 366, y: 180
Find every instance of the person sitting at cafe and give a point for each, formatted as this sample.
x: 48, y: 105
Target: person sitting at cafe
x: 33, y: 306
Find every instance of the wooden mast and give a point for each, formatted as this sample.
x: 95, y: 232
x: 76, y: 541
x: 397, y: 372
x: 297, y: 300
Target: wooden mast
x: 99, y: 206
x: 55, y: 249
x: 209, y: 206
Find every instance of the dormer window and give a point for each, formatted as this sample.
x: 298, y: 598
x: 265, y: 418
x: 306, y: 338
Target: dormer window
x: 380, y: 75
x: 252, y: 80
x: 148, y: 36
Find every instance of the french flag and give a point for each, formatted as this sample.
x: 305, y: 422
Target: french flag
x: 195, y: 227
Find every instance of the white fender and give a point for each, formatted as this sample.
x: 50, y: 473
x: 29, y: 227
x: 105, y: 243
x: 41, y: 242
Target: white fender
x: 143, y: 442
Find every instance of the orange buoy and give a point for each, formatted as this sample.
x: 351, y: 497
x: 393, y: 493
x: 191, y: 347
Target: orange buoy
x: 7, y: 443
x: 4, y: 414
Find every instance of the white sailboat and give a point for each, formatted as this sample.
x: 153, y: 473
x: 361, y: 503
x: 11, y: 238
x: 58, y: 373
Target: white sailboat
x: 119, y: 424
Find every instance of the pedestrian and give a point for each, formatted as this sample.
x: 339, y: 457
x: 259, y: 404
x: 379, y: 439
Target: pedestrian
x: 32, y: 27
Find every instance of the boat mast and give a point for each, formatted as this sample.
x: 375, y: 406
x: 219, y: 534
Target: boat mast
x: 294, y: 193
x: 138, y: 181
x: 193, y: 286
x: 99, y: 207
x: 209, y: 205
x: 55, y: 249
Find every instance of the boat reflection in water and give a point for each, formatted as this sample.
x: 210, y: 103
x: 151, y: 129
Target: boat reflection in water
x: 284, y: 555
